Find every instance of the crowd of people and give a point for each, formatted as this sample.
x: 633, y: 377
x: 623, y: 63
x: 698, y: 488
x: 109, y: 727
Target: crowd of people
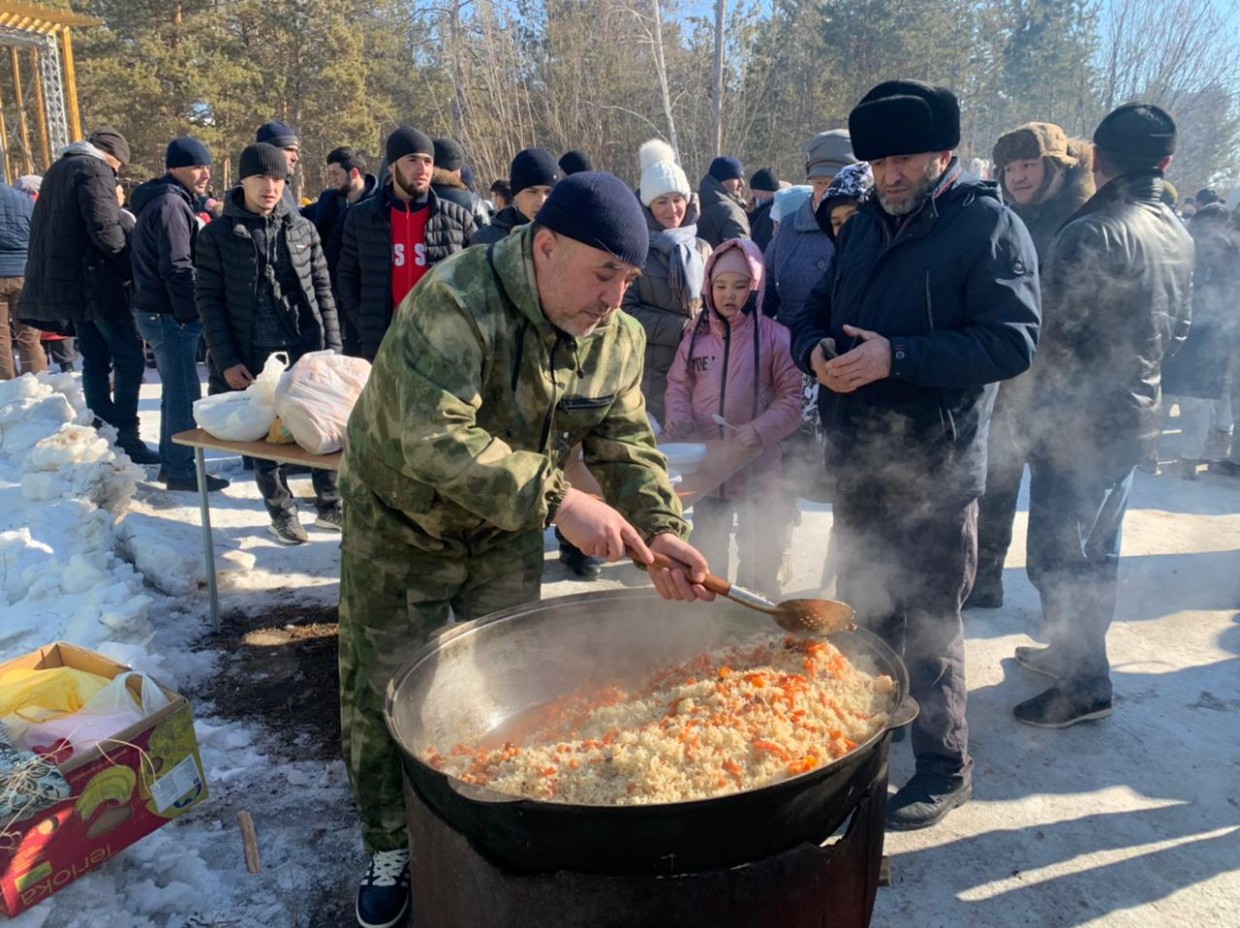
x: 894, y: 332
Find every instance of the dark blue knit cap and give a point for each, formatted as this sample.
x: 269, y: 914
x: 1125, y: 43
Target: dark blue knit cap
x: 186, y: 152
x: 725, y: 167
x: 598, y: 210
x: 276, y: 133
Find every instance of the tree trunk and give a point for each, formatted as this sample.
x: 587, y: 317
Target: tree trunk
x: 661, y: 66
x: 717, y: 81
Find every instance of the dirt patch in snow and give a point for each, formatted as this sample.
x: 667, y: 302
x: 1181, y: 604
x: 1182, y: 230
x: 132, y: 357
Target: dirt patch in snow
x: 278, y: 669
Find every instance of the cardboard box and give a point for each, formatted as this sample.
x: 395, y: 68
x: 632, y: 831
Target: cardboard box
x: 119, y: 792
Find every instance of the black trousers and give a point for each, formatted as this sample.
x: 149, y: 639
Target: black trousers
x: 996, y: 510
x: 906, y: 566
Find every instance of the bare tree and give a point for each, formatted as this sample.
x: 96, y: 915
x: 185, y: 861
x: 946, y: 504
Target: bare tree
x: 716, y: 101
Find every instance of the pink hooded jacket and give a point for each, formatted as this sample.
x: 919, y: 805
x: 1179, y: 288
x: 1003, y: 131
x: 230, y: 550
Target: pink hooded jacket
x: 741, y: 369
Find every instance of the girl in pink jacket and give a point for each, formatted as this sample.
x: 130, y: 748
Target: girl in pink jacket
x: 736, y: 363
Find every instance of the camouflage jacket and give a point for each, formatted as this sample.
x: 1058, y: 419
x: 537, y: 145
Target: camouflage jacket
x: 474, y: 403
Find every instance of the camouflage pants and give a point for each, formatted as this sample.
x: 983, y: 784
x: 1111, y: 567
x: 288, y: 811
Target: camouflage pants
x: 389, y: 606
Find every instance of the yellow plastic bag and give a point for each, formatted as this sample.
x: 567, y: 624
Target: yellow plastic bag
x: 279, y: 435
x: 37, y: 695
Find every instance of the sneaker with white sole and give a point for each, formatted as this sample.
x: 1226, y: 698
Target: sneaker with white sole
x: 383, y: 894
x: 331, y: 520
x: 288, y: 529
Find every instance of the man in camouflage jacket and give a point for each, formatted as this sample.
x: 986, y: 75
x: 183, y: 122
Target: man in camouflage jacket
x: 500, y: 362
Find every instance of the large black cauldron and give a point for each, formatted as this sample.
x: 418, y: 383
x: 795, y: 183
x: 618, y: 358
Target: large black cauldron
x: 480, y: 675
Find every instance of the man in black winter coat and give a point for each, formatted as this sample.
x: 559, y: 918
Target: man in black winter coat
x: 531, y: 176
x: 77, y: 268
x: 448, y: 181
x: 392, y: 239
x: 350, y: 185
x: 163, y: 302
x: 722, y: 210
x: 1117, y: 283
x: 762, y: 188
x: 930, y: 300
x: 1045, y: 177
x: 262, y: 289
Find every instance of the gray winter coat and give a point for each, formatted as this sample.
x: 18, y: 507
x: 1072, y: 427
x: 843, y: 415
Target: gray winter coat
x: 723, y: 217
x: 650, y: 302
x: 795, y: 260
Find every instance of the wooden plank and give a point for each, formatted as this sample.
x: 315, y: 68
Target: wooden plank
x: 281, y: 454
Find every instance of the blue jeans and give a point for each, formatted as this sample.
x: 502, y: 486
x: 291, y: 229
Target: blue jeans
x: 176, y: 357
x: 112, y: 347
x: 1076, y: 521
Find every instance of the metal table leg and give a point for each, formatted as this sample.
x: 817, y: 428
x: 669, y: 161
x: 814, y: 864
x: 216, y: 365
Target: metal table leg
x: 208, y: 547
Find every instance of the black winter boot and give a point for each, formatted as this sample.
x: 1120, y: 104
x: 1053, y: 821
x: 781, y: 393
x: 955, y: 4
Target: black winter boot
x: 128, y: 441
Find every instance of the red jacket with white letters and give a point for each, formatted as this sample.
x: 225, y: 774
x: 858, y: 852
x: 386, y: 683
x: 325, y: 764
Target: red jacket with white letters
x: 378, y: 233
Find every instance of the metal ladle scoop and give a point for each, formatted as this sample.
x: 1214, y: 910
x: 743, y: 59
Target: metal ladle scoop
x: 799, y: 616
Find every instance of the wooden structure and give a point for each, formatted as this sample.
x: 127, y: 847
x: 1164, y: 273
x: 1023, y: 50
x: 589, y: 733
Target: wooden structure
x: 41, y: 36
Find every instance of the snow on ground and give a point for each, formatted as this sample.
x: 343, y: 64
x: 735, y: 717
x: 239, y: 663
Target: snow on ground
x: 1131, y: 822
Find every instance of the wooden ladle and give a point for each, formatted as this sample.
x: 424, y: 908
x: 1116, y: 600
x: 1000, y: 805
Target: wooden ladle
x: 799, y: 616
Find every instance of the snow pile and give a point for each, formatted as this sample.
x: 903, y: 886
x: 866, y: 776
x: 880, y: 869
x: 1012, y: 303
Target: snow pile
x: 63, y: 487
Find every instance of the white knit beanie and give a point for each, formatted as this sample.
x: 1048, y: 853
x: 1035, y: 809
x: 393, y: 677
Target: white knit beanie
x: 660, y: 172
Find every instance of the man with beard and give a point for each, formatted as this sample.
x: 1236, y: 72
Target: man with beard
x: 349, y: 185
x: 502, y: 361
x: 1045, y: 177
x: 392, y: 239
x: 1118, y: 284
x: 930, y: 300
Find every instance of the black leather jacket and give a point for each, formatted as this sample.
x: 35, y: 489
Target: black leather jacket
x: 1117, y: 286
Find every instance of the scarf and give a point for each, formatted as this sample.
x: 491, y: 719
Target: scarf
x: 686, y: 271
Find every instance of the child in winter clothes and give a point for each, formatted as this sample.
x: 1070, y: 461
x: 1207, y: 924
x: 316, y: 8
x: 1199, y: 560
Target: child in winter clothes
x: 735, y: 362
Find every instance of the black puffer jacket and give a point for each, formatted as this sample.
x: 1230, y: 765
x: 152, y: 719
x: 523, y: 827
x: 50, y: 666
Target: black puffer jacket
x: 364, y: 274
x: 504, y: 222
x: 454, y: 191
x: 954, y: 287
x: 163, y: 249
x: 75, y: 237
x: 227, y: 265
x: 723, y: 217
x: 1117, y: 282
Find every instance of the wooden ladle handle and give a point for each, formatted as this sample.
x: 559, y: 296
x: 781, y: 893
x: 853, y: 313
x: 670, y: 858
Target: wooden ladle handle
x: 716, y: 585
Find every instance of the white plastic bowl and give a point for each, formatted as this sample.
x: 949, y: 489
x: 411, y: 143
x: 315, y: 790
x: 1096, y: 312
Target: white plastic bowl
x: 686, y: 457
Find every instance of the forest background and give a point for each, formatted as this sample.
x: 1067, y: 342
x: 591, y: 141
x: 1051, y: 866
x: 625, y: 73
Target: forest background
x: 752, y: 79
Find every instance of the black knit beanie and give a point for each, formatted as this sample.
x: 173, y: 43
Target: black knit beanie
x: 575, y: 162
x: 533, y: 167
x: 186, y: 152
x: 598, y: 210
x: 261, y: 159
x: 764, y: 179
x: 725, y: 167
x: 276, y: 133
x: 449, y: 154
x: 406, y: 140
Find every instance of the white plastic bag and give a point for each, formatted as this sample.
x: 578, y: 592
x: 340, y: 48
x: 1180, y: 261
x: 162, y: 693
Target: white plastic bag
x: 315, y: 396
x: 243, y: 415
x: 109, y: 712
